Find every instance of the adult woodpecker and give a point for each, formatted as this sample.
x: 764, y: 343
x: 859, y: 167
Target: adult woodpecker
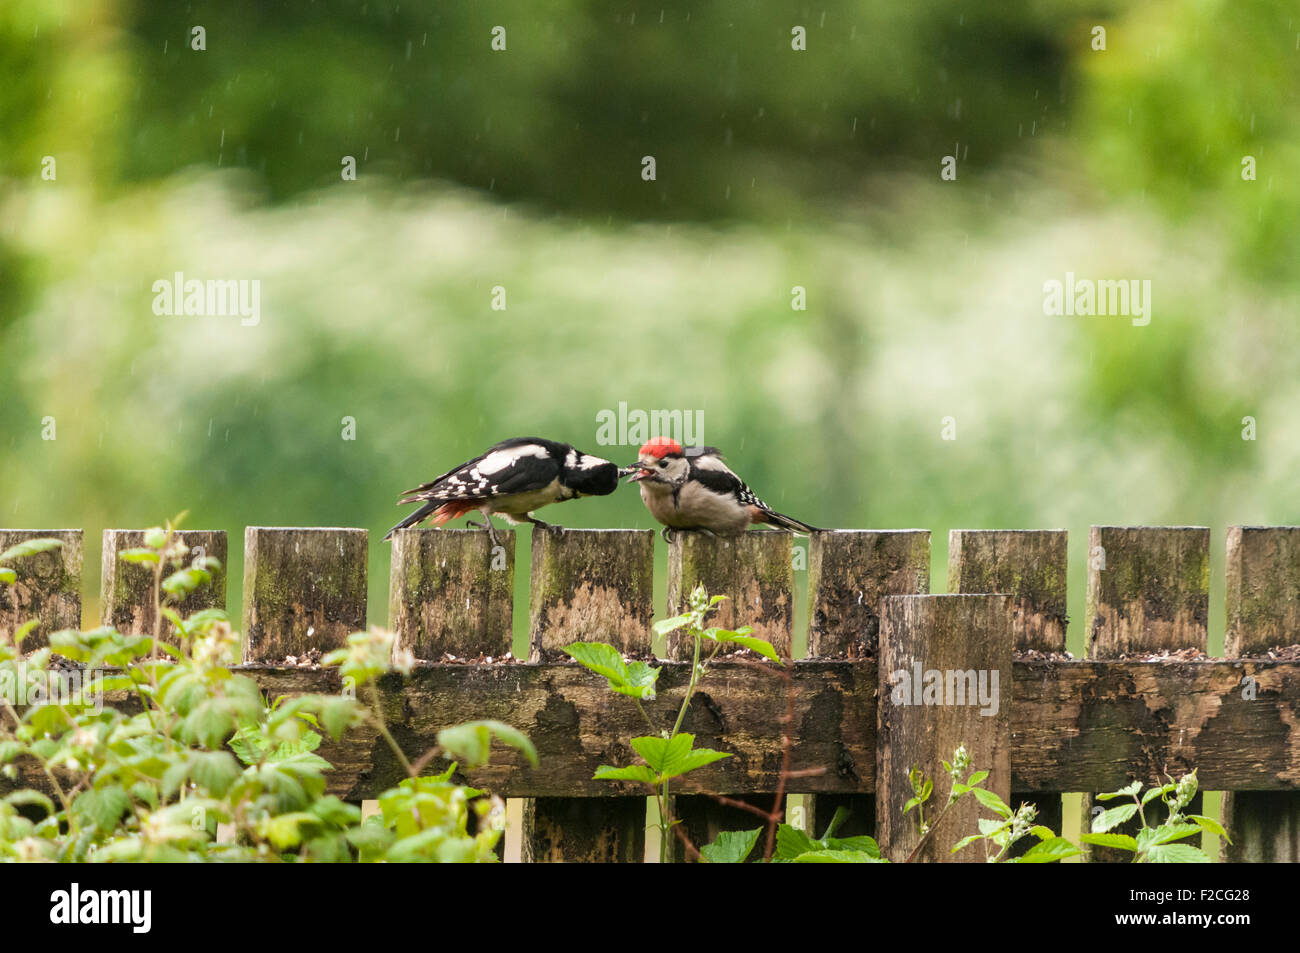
x: 694, y: 489
x: 511, y: 479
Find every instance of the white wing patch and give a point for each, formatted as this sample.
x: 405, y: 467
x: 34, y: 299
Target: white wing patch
x: 498, y: 460
x: 585, y: 462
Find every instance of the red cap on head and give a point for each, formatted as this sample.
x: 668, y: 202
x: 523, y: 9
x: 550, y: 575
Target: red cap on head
x: 660, y: 447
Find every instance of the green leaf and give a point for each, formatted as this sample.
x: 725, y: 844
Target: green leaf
x: 731, y: 847
x: 837, y: 857
x: 215, y: 771
x: 1119, y: 841
x: 976, y: 778
x: 1209, y: 824
x: 109, y: 806
x: 30, y: 547
x: 337, y: 714
x: 675, y: 757
x: 792, y: 842
x: 1176, y: 854
x: 761, y: 646
x: 27, y: 797
x: 636, y: 679
x: 1166, y: 833
x: 185, y: 581
x: 1049, y: 851
x: 286, y: 830
x: 1112, y: 817
x: 472, y: 741
x: 992, y: 801
x: 138, y: 556
x: 24, y: 630
x: 8, y: 576
x: 664, y: 626
x: 1156, y: 792
x: 635, y: 772
x: 1126, y: 791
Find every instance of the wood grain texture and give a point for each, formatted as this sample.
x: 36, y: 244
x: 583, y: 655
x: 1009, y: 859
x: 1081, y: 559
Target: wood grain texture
x: 962, y: 645
x: 1083, y: 725
x: 48, y: 586
x: 849, y: 572
x: 591, y: 585
x: 1263, y: 611
x: 754, y: 570
x: 126, y: 589
x: 1030, y: 565
x: 1148, y: 589
x: 304, y: 588
x: 450, y: 591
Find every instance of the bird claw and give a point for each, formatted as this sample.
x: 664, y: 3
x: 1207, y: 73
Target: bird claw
x: 491, y: 530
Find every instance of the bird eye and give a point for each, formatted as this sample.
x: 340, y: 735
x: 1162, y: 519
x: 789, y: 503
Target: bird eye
x: 663, y: 463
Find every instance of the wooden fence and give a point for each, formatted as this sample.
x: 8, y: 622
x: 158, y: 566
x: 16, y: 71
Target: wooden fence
x: 1056, y: 725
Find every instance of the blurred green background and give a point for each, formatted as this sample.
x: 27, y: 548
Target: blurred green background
x: 775, y: 168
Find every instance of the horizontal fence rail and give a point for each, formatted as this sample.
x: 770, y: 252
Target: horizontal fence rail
x: 1138, y: 706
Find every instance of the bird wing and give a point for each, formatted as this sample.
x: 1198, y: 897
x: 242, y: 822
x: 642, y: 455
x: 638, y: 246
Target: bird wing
x: 707, y: 467
x: 512, y: 466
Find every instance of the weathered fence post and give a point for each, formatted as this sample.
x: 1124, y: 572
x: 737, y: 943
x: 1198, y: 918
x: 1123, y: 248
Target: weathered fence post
x: 48, y: 587
x: 1148, y: 592
x: 849, y: 572
x: 589, y: 586
x: 1031, y: 566
x: 755, y: 571
x: 304, y: 588
x: 126, y: 589
x: 1263, y: 604
x: 452, y: 592
x: 945, y: 680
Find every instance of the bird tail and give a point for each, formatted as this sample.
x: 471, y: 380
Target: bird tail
x: 414, y: 517
x: 443, y: 510
x: 788, y: 522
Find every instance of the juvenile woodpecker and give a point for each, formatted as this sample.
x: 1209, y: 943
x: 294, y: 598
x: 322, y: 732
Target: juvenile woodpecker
x: 694, y: 489
x: 511, y: 479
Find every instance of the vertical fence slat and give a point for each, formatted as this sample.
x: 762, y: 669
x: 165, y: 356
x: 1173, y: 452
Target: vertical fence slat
x: 1148, y: 589
x: 48, y: 586
x: 1263, y: 604
x: 304, y: 588
x: 945, y: 634
x: 126, y: 589
x: 755, y: 571
x: 589, y: 585
x: 1031, y: 566
x: 849, y: 572
x: 451, y: 592
x: 1148, y: 592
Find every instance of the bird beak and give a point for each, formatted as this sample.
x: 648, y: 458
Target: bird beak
x: 625, y: 471
x: 637, y: 474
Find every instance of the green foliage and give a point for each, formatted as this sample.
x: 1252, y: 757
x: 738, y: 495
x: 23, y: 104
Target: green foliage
x: 670, y: 754
x: 636, y: 679
x: 202, y: 747
x: 1155, y: 845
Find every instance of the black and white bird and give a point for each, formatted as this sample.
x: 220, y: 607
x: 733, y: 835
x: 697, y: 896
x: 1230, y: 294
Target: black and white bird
x: 511, y: 479
x: 693, y: 489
